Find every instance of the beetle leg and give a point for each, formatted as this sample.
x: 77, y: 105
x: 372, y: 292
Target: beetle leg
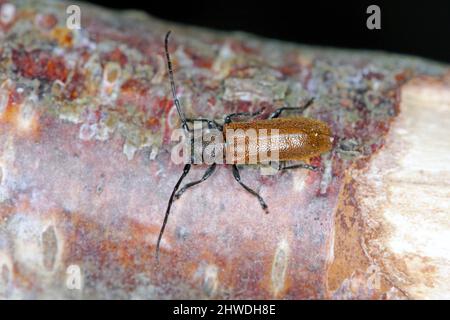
x: 206, y: 175
x: 227, y: 118
x: 299, y: 165
x: 212, y: 124
x: 186, y: 169
x: 237, y: 177
x: 278, y: 112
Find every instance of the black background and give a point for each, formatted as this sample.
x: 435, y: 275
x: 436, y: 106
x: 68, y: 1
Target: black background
x: 418, y: 28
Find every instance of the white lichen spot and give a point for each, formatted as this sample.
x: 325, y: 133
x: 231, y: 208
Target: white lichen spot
x: 102, y: 132
x: 172, y: 118
x: 26, y: 117
x: 7, y: 159
x: 326, y: 177
x: 161, y: 72
x: 81, y: 40
x: 182, y: 58
x: 72, y: 117
x: 5, y: 89
x: 7, y: 13
x: 299, y: 180
x: 153, y: 153
x: 6, y: 275
x: 111, y: 81
x: 87, y: 131
x: 254, y: 90
x: 279, y: 267
x: 129, y: 150
x: 223, y: 63
x: 210, y: 280
x: 4, y: 98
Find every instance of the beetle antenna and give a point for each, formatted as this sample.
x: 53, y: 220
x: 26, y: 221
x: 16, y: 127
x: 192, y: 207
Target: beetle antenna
x: 172, y: 84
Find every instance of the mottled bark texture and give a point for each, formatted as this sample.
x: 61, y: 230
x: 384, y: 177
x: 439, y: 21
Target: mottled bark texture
x: 85, y: 123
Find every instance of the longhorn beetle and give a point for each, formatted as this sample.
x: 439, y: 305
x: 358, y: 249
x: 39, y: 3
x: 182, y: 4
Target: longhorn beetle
x: 298, y: 139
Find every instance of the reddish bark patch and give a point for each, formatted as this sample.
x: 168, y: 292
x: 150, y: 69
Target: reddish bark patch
x: 198, y: 60
x: 46, y: 21
x: 116, y: 56
x: 134, y: 92
x: 40, y: 64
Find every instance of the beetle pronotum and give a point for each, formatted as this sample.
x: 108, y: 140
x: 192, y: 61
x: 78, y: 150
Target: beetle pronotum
x: 298, y: 139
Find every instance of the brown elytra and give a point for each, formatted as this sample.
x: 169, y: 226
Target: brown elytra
x: 296, y: 138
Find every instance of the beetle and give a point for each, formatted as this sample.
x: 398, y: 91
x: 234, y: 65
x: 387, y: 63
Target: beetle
x: 297, y: 139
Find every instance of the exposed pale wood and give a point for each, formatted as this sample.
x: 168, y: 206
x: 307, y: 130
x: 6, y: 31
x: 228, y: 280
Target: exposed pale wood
x: 404, y: 194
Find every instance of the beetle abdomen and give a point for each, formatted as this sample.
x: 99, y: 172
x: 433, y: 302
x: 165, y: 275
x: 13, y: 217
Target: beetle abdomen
x: 292, y: 138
